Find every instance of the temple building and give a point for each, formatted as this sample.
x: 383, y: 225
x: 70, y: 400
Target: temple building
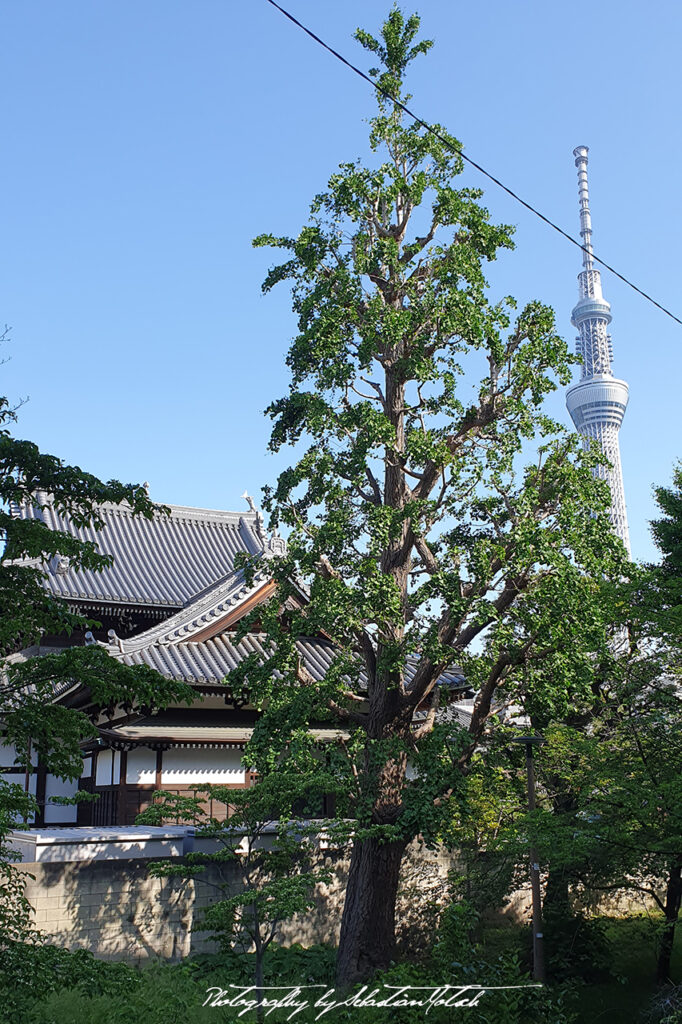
x: 171, y: 599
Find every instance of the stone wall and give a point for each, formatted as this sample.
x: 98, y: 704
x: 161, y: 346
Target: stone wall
x: 116, y: 910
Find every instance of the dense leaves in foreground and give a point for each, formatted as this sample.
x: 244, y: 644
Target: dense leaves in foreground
x: 56, y: 987
x: 29, y: 719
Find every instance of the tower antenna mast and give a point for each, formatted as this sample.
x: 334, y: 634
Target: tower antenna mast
x: 598, y: 401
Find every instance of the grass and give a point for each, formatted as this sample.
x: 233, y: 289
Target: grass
x: 633, y: 941
x: 632, y: 967
x: 54, y: 987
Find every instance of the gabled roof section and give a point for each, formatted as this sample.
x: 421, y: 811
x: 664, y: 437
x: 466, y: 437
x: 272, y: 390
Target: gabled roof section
x: 162, y: 562
x: 218, y: 608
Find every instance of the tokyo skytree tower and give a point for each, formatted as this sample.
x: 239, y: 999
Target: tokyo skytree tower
x: 597, y: 402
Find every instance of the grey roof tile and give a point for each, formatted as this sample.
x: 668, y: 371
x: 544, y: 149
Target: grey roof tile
x: 162, y: 562
x: 211, y: 660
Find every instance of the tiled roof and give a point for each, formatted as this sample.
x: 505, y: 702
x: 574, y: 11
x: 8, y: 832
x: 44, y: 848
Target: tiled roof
x: 204, y: 610
x: 162, y: 562
x: 211, y: 660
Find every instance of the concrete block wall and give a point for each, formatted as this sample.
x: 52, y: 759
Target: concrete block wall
x: 113, y: 908
x: 117, y: 911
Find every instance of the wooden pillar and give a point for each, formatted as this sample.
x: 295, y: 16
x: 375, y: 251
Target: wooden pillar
x: 159, y: 768
x: 122, y: 791
x: 84, y: 810
x: 41, y: 787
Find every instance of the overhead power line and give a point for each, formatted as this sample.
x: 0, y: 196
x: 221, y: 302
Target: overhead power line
x: 473, y: 163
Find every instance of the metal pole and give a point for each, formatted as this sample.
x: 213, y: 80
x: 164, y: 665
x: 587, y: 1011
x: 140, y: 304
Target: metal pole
x: 538, y: 938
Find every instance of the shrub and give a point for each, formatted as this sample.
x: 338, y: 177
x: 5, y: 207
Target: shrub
x: 665, y: 1007
x: 29, y: 972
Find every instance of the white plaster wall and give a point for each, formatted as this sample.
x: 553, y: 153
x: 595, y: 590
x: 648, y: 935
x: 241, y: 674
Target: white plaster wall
x: 87, y: 768
x: 141, y: 770
x: 105, y: 777
x: 20, y: 780
x: 194, y: 766
x: 59, y: 787
x: 8, y: 753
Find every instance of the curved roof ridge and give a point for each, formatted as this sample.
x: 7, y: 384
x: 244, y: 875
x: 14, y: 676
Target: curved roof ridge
x: 219, y: 599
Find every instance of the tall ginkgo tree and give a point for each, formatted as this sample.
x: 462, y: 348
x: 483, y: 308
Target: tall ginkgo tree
x: 423, y: 541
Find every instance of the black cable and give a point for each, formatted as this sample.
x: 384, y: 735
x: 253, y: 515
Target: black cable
x: 473, y: 163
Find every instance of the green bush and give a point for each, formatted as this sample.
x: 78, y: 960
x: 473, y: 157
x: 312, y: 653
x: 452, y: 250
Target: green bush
x: 29, y: 972
x: 577, y: 947
x: 46, y: 985
x: 665, y: 1007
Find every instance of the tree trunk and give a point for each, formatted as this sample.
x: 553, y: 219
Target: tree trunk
x: 367, y: 942
x: 673, y: 897
x: 260, y: 953
x: 557, y: 902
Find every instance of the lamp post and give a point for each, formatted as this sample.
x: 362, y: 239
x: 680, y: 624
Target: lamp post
x: 538, y: 944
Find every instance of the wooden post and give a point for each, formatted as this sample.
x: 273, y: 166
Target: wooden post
x: 41, y: 787
x: 122, y: 779
x: 538, y: 936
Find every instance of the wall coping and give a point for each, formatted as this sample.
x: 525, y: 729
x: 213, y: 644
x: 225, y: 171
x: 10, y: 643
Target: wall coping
x: 101, y: 843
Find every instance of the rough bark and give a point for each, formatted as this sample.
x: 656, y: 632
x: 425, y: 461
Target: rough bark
x: 367, y: 941
x: 673, y: 897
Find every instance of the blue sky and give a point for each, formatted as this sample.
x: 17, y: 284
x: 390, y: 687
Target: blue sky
x: 146, y: 144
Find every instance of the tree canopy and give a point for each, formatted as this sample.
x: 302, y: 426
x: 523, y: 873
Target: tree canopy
x: 425, y: 542
x: 31, y: 721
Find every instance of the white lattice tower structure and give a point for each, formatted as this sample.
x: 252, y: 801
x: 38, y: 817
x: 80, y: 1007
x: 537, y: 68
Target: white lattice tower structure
x: 598, y: 401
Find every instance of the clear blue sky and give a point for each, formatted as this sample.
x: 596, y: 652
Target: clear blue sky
x: 145, y: 144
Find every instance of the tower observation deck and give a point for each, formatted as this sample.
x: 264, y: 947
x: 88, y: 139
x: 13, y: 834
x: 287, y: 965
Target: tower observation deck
x: 598, y: 401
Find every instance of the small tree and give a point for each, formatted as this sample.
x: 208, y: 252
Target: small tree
x: 264, y: 859
x: 622, y: 832
x: 423, y: 543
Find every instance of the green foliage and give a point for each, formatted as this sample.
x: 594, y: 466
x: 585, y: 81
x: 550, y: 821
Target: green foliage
x: 577, y: 947
x: 272, y: 855
x: 659, y: 599
x: 56, y: 987
x: 31, y: 972
x: 173, y: 994
x: 29, y: 717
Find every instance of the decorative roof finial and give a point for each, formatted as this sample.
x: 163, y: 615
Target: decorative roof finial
x: 276, y: 546
x: 247, y: 497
